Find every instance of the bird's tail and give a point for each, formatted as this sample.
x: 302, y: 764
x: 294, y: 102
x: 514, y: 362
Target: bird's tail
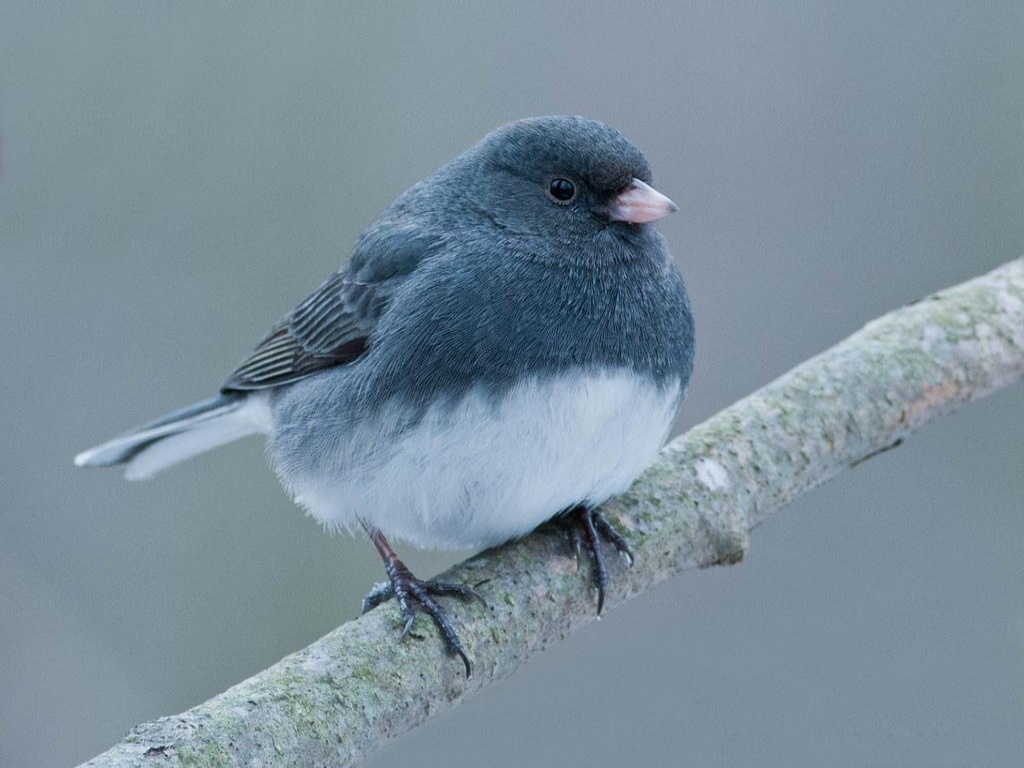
x: 150, y: 449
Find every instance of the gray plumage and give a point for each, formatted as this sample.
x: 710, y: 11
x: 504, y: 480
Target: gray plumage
x: 477, y: 247
x: 512, y: 319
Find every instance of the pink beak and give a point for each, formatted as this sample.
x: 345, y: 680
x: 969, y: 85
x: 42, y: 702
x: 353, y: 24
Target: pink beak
x: 639, y: 203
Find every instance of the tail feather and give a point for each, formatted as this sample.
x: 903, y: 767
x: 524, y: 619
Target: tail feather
x: 176, y: 436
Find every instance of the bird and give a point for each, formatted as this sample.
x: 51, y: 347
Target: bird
x: 507, y: 345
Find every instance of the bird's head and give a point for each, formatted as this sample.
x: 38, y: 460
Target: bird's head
x: 563, y: 177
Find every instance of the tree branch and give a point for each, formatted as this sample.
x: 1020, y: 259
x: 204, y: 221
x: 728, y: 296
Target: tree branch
x: 335, y: 701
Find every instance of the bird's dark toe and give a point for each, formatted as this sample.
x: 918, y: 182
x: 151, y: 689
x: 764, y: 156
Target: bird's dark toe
x: 590, y: 528
x: 460, y: 591
x: 414, y: 596
x: 611, y: 534
x: 380, y: 593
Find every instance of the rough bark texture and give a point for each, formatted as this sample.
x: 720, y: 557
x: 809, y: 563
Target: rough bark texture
x: 335, y: 701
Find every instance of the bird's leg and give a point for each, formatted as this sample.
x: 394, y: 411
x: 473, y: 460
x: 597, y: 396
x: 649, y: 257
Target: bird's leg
x: 587, y: 526
x: 414, y: 595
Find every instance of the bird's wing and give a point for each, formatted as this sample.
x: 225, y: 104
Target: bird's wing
x: 333, y: 326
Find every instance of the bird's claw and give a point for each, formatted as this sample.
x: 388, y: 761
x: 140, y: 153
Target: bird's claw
x: 415, y: 596
x: 591, y: 527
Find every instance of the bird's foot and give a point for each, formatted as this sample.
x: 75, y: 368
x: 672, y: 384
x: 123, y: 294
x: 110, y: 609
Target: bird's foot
x: 589, y: 527
x: 415, y: 596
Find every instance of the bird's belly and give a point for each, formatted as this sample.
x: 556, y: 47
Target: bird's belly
x: 484, y: 470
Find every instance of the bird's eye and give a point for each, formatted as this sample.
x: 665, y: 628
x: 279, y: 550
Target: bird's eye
x: 562, y: 190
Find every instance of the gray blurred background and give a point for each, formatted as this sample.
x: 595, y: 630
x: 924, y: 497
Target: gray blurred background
x: 176, y: 176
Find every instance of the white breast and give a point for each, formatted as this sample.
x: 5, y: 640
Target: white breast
x: 480, y: 472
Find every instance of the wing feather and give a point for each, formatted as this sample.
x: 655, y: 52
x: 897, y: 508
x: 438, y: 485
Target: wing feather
x: 334, y: 324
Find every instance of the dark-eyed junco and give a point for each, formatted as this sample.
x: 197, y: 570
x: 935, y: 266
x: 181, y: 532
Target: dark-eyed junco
x: 508, y: 343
